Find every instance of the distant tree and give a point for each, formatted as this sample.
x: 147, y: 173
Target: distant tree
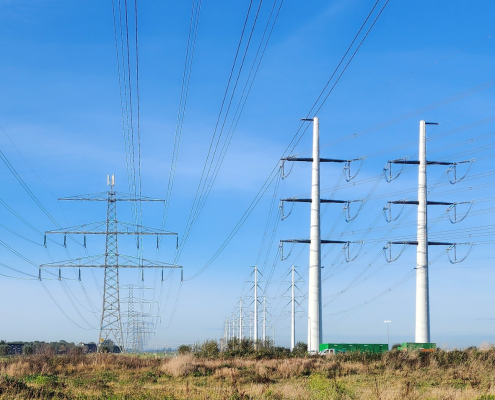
x: 27, y: 349
x: 396, y: 346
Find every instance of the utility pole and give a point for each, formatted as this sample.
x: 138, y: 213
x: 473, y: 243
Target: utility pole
x: 240, y: 319
x: 111, y: 323
x: 264, y: 320
x: 388, y: 333
x: 422, y: 333
x: 233, y: 326
x: 315, y: 242
x: 227, y: 330
x: 225, y: 333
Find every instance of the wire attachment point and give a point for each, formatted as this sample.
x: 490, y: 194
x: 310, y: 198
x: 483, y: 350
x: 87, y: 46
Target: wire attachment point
x: 347, y: 168
x: 347, y: 210
x: 388, y: 217
x: 346, y: 250
x: 283, y: 175
x: 455, y: 260
x: 388, y: 168
x: 454, y: 219
x: 283, y: 217
x: 390, y: 259
x: 453, y: 168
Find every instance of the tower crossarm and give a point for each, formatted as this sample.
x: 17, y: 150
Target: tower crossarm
x: 323, y: 241
x: 430, y: 203
x: 138, y: 300
x: 415, y: 243
x: 99, y: 228
x: 103, y: 196
x: 99, y: 262
x: 310, y: 159
x: 297, y: 200
x: 416, y: 162
x: 64, y: 232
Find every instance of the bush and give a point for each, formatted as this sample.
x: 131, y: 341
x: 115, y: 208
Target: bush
x: 4, y: 350
x: 209, y: 349
x: 300, y: 350
x: 27, y: 350
x: 184, y: 349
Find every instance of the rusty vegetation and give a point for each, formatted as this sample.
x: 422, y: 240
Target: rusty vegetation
x: 442, y: 375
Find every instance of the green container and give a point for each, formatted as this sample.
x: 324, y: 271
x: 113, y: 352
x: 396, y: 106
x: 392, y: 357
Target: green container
x: 352, y: 347
x: 409, y: 346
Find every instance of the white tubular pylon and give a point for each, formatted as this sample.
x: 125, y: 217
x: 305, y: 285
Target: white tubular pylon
x: 314, y: 294
x: 422, y: 292
x: 293, y: 317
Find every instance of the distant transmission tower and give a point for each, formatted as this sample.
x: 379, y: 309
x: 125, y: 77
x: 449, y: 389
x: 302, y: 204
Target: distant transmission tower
x: 135, y: 341
x: 111, y: 323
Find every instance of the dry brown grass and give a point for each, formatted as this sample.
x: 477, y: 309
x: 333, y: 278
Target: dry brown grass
x: 453, y: 375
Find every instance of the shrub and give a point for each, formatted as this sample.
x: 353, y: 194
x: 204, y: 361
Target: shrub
x: 300, y: 349
x: 4, y: 350
x: 179, y: 366
x: 184, y: 349
x: 209, y: 349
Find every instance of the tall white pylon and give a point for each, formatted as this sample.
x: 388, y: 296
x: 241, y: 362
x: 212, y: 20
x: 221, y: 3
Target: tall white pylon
x: 314, y: 294
x: 422, y: 330
x: 293, y: 318
x: 422, y: 293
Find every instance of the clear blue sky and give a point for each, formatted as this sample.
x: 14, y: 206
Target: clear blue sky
x: 60, y: 107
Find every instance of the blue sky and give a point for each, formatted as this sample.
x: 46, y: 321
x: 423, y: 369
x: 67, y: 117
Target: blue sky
x: 60, y: 107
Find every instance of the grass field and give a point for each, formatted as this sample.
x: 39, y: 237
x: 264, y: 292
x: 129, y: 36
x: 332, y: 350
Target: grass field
x: 468, y: 374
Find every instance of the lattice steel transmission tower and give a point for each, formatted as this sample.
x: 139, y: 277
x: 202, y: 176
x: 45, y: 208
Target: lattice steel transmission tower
x: 135, y: 319
x: 111, y: 322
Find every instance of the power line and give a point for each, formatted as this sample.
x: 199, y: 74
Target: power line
x: 292, y: 144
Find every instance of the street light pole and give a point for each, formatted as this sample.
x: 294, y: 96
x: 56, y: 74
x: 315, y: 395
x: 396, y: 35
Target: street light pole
x: 388, y: 333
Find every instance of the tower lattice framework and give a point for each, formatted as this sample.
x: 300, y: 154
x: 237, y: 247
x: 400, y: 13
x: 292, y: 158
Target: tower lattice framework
x: 111, y: 323
x: 111, y: 317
